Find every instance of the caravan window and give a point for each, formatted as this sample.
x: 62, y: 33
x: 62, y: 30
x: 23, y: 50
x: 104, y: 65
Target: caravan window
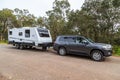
x: 27, y: 33
x: 43, y: 32
x: 20, y: 34
x: 10, y: 32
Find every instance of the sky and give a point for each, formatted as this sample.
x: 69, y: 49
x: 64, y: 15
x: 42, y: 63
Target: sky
x: 36, y: 7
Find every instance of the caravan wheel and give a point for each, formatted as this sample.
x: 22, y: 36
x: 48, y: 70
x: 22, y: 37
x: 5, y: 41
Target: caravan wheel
x: 44, y: 48
x: 17, y: 46
x: 29, y: 47
x: 21, y: 46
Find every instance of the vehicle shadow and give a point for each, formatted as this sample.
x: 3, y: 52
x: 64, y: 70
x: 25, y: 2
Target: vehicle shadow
x: 27, y: 49
x: 49, y: 51
x: 71, y: 55
x: 52, y: 52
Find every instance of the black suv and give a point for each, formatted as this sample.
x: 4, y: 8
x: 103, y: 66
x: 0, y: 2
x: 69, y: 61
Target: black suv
x: 82, y: 46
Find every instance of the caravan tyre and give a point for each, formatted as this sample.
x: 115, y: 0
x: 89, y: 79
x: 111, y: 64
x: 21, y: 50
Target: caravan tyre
x: 21, y: 47
x: 17, y: 46
x: 44, y: 48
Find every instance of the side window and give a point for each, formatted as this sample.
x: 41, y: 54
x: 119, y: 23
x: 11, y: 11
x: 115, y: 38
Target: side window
x: 20, y: 34
x: 10, y: 32
x: 27, y: 33
x: 68, y: 39
x: 71, y: 39
x: 80, y: 40
x: 62, y: 39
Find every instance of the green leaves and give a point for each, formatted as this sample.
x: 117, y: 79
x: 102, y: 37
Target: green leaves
x: 24, y: 18
x: 97, y: 19
x: 57, y: 18
x: 116, y: 3
x: 6, y: 20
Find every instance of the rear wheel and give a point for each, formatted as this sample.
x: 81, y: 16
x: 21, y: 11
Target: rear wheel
x: 44, y: 48
x: 21, y: 47
x: 62, y: 51
x: 97, y: 55
x: 27, y: 47
x: 17, y: 46
x: 30, y: 47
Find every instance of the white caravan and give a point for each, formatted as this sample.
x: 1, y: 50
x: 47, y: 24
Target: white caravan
x: 27, y: 37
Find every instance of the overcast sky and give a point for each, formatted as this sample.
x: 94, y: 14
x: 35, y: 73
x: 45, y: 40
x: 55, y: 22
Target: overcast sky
x: 36, y: 7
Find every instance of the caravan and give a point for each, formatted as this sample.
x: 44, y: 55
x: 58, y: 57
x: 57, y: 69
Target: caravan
x: 27, y: 37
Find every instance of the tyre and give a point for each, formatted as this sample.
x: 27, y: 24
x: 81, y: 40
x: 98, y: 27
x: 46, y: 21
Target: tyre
x: 21, y: 47
x: 62, y: 51
x: 29, y: 47
x: 13, y: 44
x: 97, y: 55
x: 25, y: 46
x: 17, y: 46
x: 44, y: 48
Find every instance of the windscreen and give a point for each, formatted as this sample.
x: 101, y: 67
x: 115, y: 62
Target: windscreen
x: 43, y: 32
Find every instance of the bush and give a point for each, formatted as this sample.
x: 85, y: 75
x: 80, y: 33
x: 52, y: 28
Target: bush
x: 3, y: 42
x: 116, y: 50
x: 116, y: 41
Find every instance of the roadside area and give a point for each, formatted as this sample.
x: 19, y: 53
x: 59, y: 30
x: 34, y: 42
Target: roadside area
x: 47, y: 65
x: 3, y: 77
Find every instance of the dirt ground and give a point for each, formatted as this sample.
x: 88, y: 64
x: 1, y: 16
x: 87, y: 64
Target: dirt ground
x: 47, y: 65
x: 3, y: 77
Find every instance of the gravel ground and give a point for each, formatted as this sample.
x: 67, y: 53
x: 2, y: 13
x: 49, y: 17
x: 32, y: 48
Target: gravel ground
x: 47, y: 65
x: 3, y: 77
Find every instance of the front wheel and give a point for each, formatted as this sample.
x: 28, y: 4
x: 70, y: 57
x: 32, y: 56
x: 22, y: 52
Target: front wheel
x: 97, y: 55
x: 62, y: 51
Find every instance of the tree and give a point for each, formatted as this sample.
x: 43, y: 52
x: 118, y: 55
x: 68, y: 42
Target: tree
x: 98, y: 16
x: 57, y: 18
x: 24, y: 18
x: 42, y: 21
x: 6, y: 19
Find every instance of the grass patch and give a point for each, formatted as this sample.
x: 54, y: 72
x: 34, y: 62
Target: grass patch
x: 3, y: 42
x: 116, y: 50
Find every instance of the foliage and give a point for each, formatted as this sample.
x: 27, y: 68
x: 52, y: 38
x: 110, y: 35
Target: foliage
x: 24, y: 18
x: 3, y: 42
x: 42, y: 21
x: 97, y: 19
x: 6, y: 17
x: 57, y: 18
x: 116, y: 50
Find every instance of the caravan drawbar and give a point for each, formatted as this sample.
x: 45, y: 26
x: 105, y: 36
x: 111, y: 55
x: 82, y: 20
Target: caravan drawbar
x: 27, y: 37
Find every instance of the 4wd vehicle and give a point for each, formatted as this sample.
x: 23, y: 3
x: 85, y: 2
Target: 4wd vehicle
x: 82, y: 46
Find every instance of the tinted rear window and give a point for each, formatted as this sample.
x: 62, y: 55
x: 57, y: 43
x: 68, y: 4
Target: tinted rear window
x: 62, y: 39
x: 68, y: 39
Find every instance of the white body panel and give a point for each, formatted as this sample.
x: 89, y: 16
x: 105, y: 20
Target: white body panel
x: 20, y: 35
